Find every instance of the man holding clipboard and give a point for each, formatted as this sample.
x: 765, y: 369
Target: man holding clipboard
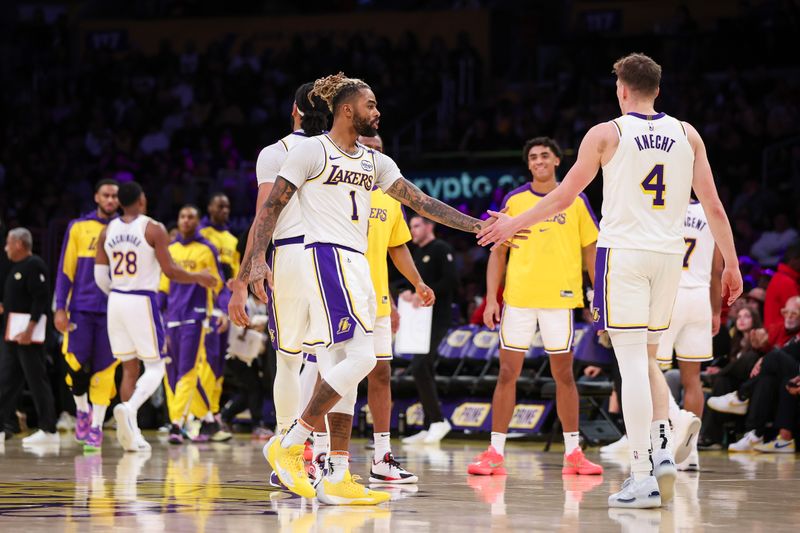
x: 25, y: 301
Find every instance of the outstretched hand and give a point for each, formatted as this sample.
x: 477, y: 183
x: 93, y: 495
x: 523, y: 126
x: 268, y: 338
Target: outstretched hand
x: 500, y: 230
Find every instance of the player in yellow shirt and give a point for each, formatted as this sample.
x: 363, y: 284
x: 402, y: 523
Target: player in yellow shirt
x: 214, y: 228
x: 388, y: 232
x: 544, y: 284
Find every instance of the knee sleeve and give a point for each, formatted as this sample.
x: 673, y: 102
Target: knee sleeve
x: 358, y: 362
x: 347, y: 404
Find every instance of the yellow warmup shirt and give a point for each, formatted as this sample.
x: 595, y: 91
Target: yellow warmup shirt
x: 546, y: 270
x: 226, y: 244
x: 387, y: 228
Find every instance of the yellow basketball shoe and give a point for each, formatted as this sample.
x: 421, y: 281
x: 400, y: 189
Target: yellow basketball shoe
x: 288, y: 464
x: 349, y: 492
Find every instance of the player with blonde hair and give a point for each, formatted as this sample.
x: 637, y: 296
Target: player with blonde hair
x: 650, y: 164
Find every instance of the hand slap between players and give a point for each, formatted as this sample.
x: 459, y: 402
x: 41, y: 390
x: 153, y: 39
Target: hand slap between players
x: 501, y: 230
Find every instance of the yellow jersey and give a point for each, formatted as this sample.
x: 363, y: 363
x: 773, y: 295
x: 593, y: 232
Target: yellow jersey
x: 546, y: 271
x: 226, y: 244
x: 387, y: 228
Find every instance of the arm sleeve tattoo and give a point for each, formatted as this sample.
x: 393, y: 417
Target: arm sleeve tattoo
x: 410, y: 195
x: 264, y: 223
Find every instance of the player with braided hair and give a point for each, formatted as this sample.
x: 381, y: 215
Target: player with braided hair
x: 335, y: 176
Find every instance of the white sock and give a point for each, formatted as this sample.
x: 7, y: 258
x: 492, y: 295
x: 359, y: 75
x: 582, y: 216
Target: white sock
x: 661, y: 436
x: 383, y: 445
x: 209, y: 417
x: 572, y: 441
x: 147, y: 384
x: 297, y: 434
x: 637, y: 406
x: 499, y: 442
x: 338, y: 462
x: 82, y: 402
x: 98, y: 415
x: 286, y: 390
x: 321, y: 444
x: 674, y: 410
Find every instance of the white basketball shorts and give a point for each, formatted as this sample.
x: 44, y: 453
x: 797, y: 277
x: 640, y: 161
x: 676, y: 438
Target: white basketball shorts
x: 635, y: 290
x: 342, y: 298
x: 382, y: 337
x: 689, y: 333
x: 289, y: 304
x: 135, y: 329
x: 518, y: 329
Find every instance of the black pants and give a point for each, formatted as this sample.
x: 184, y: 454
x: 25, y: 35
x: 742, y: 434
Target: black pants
x: 729, y: 379
x: 422, y: 368
x: 771, y: 403
x: 26, y: 364
x: 254, y: 382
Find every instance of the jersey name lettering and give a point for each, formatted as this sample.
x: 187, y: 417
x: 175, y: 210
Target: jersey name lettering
x: 124, y: 237
x: 654, y: 142
x: 696, y: 223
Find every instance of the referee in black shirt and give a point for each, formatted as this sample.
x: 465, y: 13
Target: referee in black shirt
x: 434, y: 260
x: 26, y: 291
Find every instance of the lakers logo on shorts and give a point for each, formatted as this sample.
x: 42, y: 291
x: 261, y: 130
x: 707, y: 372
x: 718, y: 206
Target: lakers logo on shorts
x: 272, y: 334
x: 595, y: 314
x: 344, y: 325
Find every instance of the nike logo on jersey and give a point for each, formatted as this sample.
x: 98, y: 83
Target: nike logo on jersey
x: 332, y: 158
x: 542, y: 230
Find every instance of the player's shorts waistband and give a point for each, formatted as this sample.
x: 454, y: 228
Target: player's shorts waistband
x: 289, y: 240
x: 332, y: 245
x: 137, y: 293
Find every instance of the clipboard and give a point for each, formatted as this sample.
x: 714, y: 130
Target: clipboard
x: 414, y: 335
x: 18, y: 322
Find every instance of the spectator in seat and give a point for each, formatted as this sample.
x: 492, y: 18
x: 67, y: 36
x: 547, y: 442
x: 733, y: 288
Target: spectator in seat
x: 727, y: 373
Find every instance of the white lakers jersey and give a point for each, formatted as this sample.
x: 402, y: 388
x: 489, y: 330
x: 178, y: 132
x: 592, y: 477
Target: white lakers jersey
x: 269, y: 162
x: 134, y: 266
x: 647, y: 184
x: 699, y: 248
x: 334, y: 189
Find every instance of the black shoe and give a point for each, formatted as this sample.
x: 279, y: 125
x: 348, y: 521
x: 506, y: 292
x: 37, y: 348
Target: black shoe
x: 175, y: 434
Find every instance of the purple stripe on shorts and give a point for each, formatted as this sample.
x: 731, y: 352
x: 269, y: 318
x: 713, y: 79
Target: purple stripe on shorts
x: 341, y: 322
x: 272, y: 322
x: 329, y: 245
x: 290, y: 240
x: 599, y: 300
x: 310, y: 357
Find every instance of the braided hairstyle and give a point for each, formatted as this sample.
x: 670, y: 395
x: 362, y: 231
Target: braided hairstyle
x: 313, y: 110
x: 336, y: 89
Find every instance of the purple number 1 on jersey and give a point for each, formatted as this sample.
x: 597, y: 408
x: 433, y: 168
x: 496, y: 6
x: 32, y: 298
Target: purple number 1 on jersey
x: 355, y: 207
x: 654, y: 185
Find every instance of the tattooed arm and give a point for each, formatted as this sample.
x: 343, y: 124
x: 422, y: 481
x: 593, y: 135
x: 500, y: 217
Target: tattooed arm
x: 410, y: 195
x: 254, y: 265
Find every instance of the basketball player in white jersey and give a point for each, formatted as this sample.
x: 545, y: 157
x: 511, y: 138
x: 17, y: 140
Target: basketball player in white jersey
x: 695, y: 320
x: 132, y: 251
x: 288, y: 316
x: 335, y: 176
x: 650, y: 163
